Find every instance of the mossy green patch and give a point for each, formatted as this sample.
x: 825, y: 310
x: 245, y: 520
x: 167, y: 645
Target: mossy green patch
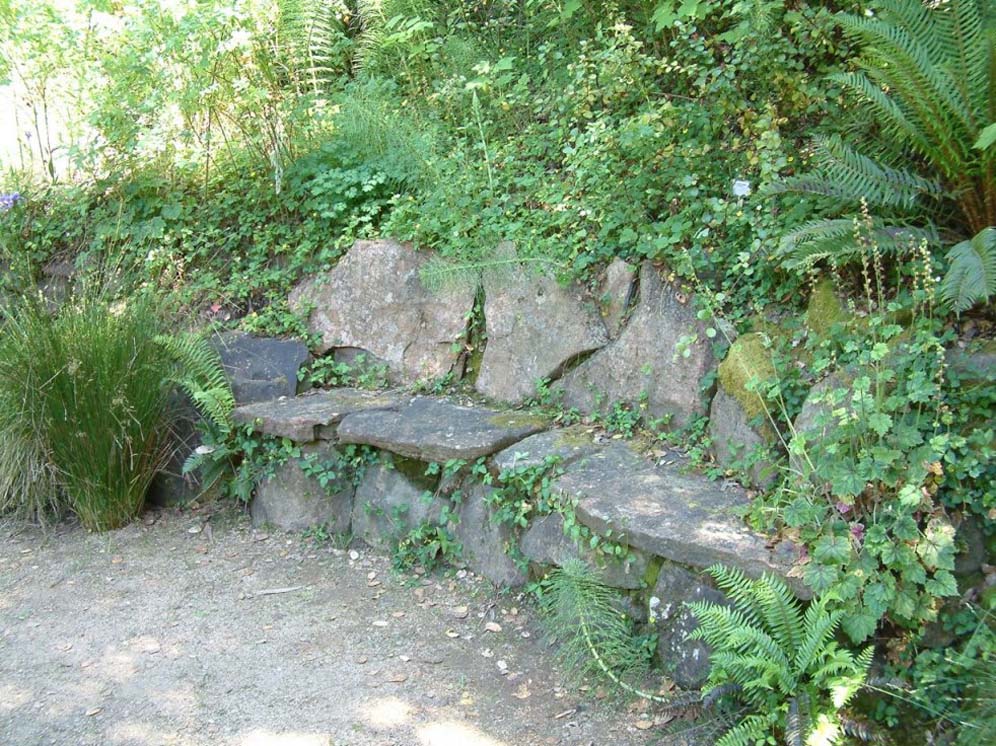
x: 825, y: 308
x: 414, y: 471
x: 747, y: 364
x: 518, y: 419
x: 653, y: 571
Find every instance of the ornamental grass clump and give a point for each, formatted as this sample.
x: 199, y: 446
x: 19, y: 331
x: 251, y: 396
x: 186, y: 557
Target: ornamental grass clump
x: 83, y: 421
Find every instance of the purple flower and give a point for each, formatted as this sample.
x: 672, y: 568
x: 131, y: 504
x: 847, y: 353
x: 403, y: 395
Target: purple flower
x: 858, y: 531
x: 843, y: 508
x: 7, y: 201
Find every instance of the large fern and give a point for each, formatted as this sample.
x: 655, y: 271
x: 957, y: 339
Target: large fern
x: 971, y: 275
x: 782, y: 659
x: 927, y: 73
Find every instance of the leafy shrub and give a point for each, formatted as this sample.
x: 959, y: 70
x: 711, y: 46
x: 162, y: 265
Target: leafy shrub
x: 83, y: 406
x: 864, y: 494
x: 782, y: 661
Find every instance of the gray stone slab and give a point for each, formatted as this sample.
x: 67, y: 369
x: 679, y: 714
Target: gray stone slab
x: 737, y: 441
x: 389, y: 504
x: 544, y: 542
x: 374, y: 300
x: 294, y: 500
x: 430, y: 429
x: 684, y: 518
x: 312, y: 416
x: 486, y: 543
x: 615, y: 292
x: 566, y: 444
x: 685, y: 661
x: 641, y: 366
x: 260, y: 368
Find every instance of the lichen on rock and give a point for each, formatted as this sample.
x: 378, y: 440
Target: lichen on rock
x: 824, y: 309
x: 747, y: 364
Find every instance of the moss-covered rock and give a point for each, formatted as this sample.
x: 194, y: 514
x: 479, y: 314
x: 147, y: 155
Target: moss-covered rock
x: 747, y: 364
x: 825, y: 308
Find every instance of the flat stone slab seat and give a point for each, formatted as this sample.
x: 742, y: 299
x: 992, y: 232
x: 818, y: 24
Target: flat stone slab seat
x: 433, y: 429
x: 684, y: 518
x: 312, y: 416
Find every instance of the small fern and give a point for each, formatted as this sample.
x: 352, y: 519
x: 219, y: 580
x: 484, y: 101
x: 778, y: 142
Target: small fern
x: 593, y: 637
x: 971, y: 275
x: 783, y: 661
x: 199, y: 373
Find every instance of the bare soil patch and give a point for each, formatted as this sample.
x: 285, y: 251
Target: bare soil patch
x: 193, y: 629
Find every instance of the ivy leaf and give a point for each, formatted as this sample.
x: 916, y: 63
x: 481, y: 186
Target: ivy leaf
x: 820, y: 577
x: 832, y: 550
x: 905, y: 528
x: 860, y: 626
x: 880, y: 422
x: 942, y: 584
x: 800, y: 512
x: 936, y: 549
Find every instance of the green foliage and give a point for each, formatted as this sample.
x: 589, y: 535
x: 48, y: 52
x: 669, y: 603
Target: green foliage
x: 201, y: 376
x: 328, y: 372
x: 782, y: 660
x: 82, y: 406
x: 864, y: 497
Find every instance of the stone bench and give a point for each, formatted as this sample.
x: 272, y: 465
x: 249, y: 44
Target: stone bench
x: 674, y: 522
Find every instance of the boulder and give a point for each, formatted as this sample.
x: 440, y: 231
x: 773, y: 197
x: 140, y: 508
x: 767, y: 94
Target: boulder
x: 314, y: 415
x: 535, y: 327
x: 486, y: 544
x: 736, y: 442
x: 544, y: 543
x: 685, y: 661
x: 391, y: 501
x: 433, y: 429
x: 615, y: 293
x: 260, y: 368
x: 293, y: 498
x: 641, y: 366
x: 815, y: 420
x: 374, y: 300
x: 171, y: 486
x: 738, y: 420
x: 974, y: 364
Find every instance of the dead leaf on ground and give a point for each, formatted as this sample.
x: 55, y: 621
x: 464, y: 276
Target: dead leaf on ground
x: 492, y: 627
x: 522, y: 692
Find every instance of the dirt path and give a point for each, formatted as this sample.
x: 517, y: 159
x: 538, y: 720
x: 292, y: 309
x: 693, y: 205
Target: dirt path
x: 184, y: 630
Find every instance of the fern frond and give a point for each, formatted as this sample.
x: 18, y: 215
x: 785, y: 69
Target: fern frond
x: 738, y: 588
x: 819, y: 627
x: 200, y: 375
x: 781, y: 613
x: 309, y: 37
x: 861, y: 177
x: 902, y: 58
x: 971, y: 275
x: 752, y: 729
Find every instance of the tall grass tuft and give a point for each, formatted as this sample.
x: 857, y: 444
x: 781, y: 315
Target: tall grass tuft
x: 83, y: 420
